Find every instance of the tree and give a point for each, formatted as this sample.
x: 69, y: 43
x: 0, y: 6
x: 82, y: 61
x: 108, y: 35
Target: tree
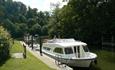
x: 10, y: 27
x: 85, y: 20
x: 18, y: 20
x: 21, y: 30
x: 12, y: 13
x: 54, y: 25
x: 43, y: 32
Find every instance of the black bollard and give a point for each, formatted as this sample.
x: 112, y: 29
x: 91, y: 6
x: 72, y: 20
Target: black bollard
x: 24, y: 54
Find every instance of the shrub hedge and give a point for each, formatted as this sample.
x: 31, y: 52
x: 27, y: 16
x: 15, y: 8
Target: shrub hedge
x: 5, y: 43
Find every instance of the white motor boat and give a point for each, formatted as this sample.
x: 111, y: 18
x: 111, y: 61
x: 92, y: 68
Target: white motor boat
x: 70, y: 52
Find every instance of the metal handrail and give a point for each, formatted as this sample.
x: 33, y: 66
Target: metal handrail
x: 58, y: 59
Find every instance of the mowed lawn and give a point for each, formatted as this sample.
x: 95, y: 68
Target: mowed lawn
x: 106, y: 60
x: 30, y: 63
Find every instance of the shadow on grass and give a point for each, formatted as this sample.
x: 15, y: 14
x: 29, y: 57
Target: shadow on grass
x: 110, y: 59
x: 93, y: 67
x: 2, y: 62
x: 107, y: 56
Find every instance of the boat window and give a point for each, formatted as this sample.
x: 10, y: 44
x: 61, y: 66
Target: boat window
x: 68, y: 50
x: 58, y: 50
x: 46, y: 48
x: 85, y: 48
x: 75, y: 49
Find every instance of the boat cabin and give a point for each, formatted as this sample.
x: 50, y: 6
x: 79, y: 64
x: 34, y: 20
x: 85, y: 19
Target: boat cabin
x: 67, y: 48
x: 70, y: 52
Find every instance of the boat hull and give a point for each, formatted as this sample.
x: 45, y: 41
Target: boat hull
x: 75, y: 62
x: 72, y: 62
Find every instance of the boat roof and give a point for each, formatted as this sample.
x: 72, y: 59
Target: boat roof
x: 65, y: 42
x: 71, y: 44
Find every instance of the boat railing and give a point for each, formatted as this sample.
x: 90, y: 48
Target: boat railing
x: 60, y: 40
x: 58, y: 59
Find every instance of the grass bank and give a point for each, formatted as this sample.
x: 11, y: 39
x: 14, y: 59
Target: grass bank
x: 30, y: 63
x: 106, y: 60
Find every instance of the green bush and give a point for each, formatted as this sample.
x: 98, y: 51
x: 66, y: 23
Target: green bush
x: 5, y: 42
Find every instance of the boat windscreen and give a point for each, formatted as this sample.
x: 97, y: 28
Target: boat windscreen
x: 68, y: 50
x: 85, y: 48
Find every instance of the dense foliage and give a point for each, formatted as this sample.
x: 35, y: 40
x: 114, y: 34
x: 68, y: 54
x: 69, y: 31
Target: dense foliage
x: 86, y: 20
x: 5, y: 43
x: 19, y: 20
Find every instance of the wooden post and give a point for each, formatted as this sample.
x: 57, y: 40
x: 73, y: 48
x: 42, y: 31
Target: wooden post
x: 112, y: 44
x: 24, y: 54
x: 28, y: 39
x: 32, y: 42
x: 102, y: 42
